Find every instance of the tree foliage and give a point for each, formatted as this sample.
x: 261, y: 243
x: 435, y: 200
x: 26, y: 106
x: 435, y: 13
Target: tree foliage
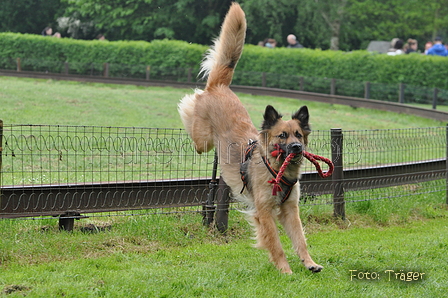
x: 269, y: 19
x: 386, y: 19
x: 343, y: 24
x: 29, y: 16
x: 189, y: 20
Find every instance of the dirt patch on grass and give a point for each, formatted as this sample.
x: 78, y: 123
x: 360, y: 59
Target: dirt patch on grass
x: 10, y: 289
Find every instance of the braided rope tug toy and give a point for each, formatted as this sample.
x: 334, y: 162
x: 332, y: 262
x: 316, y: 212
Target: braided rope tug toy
x: 313, y: 158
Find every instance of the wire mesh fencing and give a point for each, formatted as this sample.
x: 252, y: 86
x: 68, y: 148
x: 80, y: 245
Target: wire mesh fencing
x: 53, y: 170
x: 380, y: 164
x: 407, y: 162
x: 47, y: 170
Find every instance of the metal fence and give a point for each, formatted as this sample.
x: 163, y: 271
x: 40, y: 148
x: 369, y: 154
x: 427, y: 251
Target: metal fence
x: 68, y: 171
x: 49, y: 169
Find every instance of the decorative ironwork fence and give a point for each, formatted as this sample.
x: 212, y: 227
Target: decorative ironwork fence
x: 67, y: 171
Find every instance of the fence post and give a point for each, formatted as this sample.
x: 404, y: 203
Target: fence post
x: 106, y: 70
x: 401, y: 95
x: 148, y: 72
x: 209, y: 206
x: 66, y: 67
x: 189, y: 75
x: 333, y: 87
x: 263, y: 79
x: 301, y: 83
x: 19, y: 64
x: 67, y: 220
x: 338, y: 174
x: 367, y: 90
x: 446, y: 177
x: 434, y: 98
x: 222, y: 210
x: 1, y: 152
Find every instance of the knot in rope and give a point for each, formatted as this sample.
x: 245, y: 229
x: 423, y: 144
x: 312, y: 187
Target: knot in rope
x: 313, y: 158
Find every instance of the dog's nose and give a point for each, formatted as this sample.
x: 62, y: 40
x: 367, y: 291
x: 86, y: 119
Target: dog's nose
x: 295, y: 148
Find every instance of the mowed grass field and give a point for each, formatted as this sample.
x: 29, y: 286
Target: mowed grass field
x: 29, y: 101
x: 386, y: 248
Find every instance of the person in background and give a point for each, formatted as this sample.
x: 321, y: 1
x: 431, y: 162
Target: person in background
x: 398, y: 47
x: 48, y: 31
x: 270, y: 43
x: 392, y: 45
x: 292, y: 42
x: 438, y: 49
x: 428, y: 45
x: 412, y: 46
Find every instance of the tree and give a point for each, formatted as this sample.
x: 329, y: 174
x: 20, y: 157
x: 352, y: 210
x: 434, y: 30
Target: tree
x: 426, y: 18
x: 386, y: 19
x: 29, y: 16
x: 269, y: 19
x: 336, y: 24
x: 309, y: 20
x: 332, y: 12
x: 189, y: 20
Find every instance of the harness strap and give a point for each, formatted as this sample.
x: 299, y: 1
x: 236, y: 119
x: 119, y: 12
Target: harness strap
x: 274, y: 173
x: 288, y: 184
x: 244, y: 165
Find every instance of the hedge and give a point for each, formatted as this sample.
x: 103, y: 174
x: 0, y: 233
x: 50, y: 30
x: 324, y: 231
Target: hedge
x: 412, y: 69
x: 281, y: 63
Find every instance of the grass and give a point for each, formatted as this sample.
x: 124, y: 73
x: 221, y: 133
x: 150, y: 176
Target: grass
x: 175, y: 256
x: 73, y: 103
x: 428, y: 106
x: 30, y: 101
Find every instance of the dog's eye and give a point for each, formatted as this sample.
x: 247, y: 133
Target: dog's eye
x: 283, y: 135
x: 298, y: 135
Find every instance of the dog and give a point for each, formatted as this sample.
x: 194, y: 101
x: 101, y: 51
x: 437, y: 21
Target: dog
x: 215, y: 117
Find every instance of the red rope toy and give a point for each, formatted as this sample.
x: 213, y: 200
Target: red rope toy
x: 313, y: 158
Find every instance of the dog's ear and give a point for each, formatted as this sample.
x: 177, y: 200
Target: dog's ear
x: 303, y: 116
x: 271, y: 116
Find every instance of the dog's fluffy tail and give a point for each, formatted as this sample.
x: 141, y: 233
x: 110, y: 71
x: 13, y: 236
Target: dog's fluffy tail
x: 221, y: 59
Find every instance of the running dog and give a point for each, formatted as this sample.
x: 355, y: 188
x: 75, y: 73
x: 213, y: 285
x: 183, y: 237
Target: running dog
x: 248, y: 158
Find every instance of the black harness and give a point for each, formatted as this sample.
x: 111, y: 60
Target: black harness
x: 286, y: 184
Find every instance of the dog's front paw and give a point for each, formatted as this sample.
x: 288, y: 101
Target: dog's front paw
x: 284, y: 268
x: 315, y: 268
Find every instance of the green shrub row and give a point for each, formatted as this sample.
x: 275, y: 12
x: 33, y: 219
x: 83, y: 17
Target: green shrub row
x: 282, y: 63
x: 412, y: 69
x: 161, y: 53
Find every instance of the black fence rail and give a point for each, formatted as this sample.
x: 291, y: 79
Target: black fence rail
x: 397, y: 93
x: 69, y: 171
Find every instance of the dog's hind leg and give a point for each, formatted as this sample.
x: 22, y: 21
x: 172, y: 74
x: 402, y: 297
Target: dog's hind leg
x: 289, y: 218
x: 202, y: 135
x: 268, y: 238
x: 194, y: 116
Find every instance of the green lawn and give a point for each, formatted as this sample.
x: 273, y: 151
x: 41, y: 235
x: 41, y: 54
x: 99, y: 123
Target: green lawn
x: 30, y: 101
x: 428, y: 106
x: 173, y: 255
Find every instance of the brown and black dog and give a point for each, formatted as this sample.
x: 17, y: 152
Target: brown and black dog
x: 215, y: 117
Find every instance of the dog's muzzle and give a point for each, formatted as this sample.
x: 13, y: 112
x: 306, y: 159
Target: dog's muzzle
x: 296, y: 148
